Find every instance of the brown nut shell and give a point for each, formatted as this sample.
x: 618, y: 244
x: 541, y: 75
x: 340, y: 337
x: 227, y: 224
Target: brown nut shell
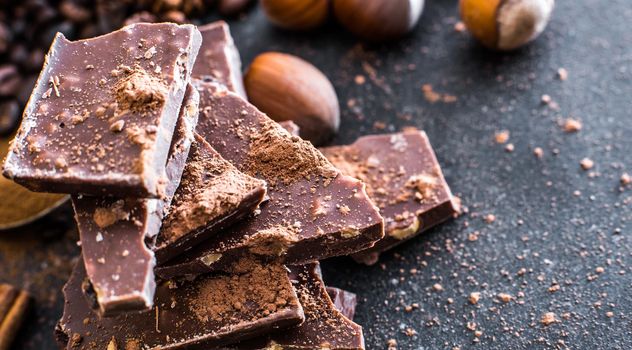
x: 296, y: 14
x: 289, y: 88
x: 19, y: 206
x: 378, y: 20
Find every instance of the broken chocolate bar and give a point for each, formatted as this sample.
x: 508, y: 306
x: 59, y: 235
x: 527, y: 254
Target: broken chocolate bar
x: 212, y: 196
x: 325, y: 327
x: 314, y: 211
x: 344, y: 301
x: 219, y: 59
x: 403, y: 178
x: 208, y: 312
x: 114, y: 232
x: 14, y: 305
x: 102, y: 114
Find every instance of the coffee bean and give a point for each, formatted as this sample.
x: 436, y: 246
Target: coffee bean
x: 35, y: 60
x: 232, y: 7
x: 9, y: 80
x: 139, y: 17
x: 74, y: 12
x: 9, y: 117
x: 19, y: 54
x: 175, y: 16
x: 5, y: 38
x: 28, y: 83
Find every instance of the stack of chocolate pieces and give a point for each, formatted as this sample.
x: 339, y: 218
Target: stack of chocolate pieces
x: 201, y: 220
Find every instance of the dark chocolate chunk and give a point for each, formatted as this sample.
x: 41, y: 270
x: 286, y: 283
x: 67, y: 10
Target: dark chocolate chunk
x: 219, y: 59
x: 14, y: 304
x: 212, y: 196
x: 114, y: 231
x: 403, y: 178
x: 102, y: 114
x: 325, y: 327
x: 314, y: 211
x: 344, y: 301
x: 208, y: 312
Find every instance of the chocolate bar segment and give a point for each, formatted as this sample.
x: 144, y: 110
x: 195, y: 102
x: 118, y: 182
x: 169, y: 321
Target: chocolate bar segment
x: 102, y: 114
x: 403, y: 178
x: 325, y: 327
x: 313, y: 211
x: 114, y: 231
x: 219, y: 59
x: 14, y: 304
x: 344, y: 301
x: 208, y: 312
x: 213, y: 195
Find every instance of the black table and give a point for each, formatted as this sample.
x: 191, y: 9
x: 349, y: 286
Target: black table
x: 560, y: 239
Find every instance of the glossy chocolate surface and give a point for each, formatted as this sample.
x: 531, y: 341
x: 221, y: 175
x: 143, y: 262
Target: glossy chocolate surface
x: 202, y: 314
x: 102, y: 114
x: 314, y: 211
x: 219, y: 59
x: 403, y: 178
x: 114, y: 232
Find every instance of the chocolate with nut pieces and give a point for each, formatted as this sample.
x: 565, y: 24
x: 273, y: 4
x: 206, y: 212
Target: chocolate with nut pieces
x: 314, y: 211
x: 102, y: 114
x: 115, y: 232
x: 208, y: 312
x: 403, y: 178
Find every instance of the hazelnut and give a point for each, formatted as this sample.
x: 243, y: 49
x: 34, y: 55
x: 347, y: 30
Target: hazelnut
x: 378, y: 20
x: 296, y: 14
x: 288, y: 88
x: 505, y: 25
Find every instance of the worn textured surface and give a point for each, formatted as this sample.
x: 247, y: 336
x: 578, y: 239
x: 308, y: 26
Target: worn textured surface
x: 557, y: 237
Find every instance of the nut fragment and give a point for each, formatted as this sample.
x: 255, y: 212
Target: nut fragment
x: 505, y: 24
x: 288, y: 88
x: 378, y: 20
x: 296, y: 14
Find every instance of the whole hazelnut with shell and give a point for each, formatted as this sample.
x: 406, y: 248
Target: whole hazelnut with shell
x: 378, y: 20
x: 505, y: 24
x: 296, y: 14
x: 286, y: 87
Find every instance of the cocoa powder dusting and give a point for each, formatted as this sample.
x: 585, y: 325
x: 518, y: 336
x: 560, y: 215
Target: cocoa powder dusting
x: 256, y: 294
x: 210, y: 187
x: 139, y: 91
x: 274, y: 240
x: 276, y: 156
x: 107, y: 216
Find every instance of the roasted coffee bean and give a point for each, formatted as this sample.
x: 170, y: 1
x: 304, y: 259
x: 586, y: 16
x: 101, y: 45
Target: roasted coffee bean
x: 19, y: 54
x: 9, y: 80
x: 139, y: 17
x: 9, y: 117
x: 49, y: 33
x: 35, y: 60
x: 232, y: 7
x: 175, y: 16
x: 5, y: 38
x: 74, y: 12
x: 28, y: 83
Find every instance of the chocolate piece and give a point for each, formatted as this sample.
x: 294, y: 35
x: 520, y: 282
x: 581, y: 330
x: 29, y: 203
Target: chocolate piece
x: 344, y: 301
x: 403, y: 178
x: 314, y: 212
x: 291, y: 127
x: 208, y: 312
x: 219, y: 59
x: 325, y: 327
x: 14, y: 305
x: 213, y: 195
x: 114, y: 231
x: 102, y: 114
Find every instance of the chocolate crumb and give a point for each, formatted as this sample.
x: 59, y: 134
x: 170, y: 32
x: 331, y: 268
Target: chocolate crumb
x: 105, y: 217
x: 139, y: 91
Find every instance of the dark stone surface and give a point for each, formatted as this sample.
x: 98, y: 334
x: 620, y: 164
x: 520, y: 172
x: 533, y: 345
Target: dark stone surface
x: 541, y: 226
